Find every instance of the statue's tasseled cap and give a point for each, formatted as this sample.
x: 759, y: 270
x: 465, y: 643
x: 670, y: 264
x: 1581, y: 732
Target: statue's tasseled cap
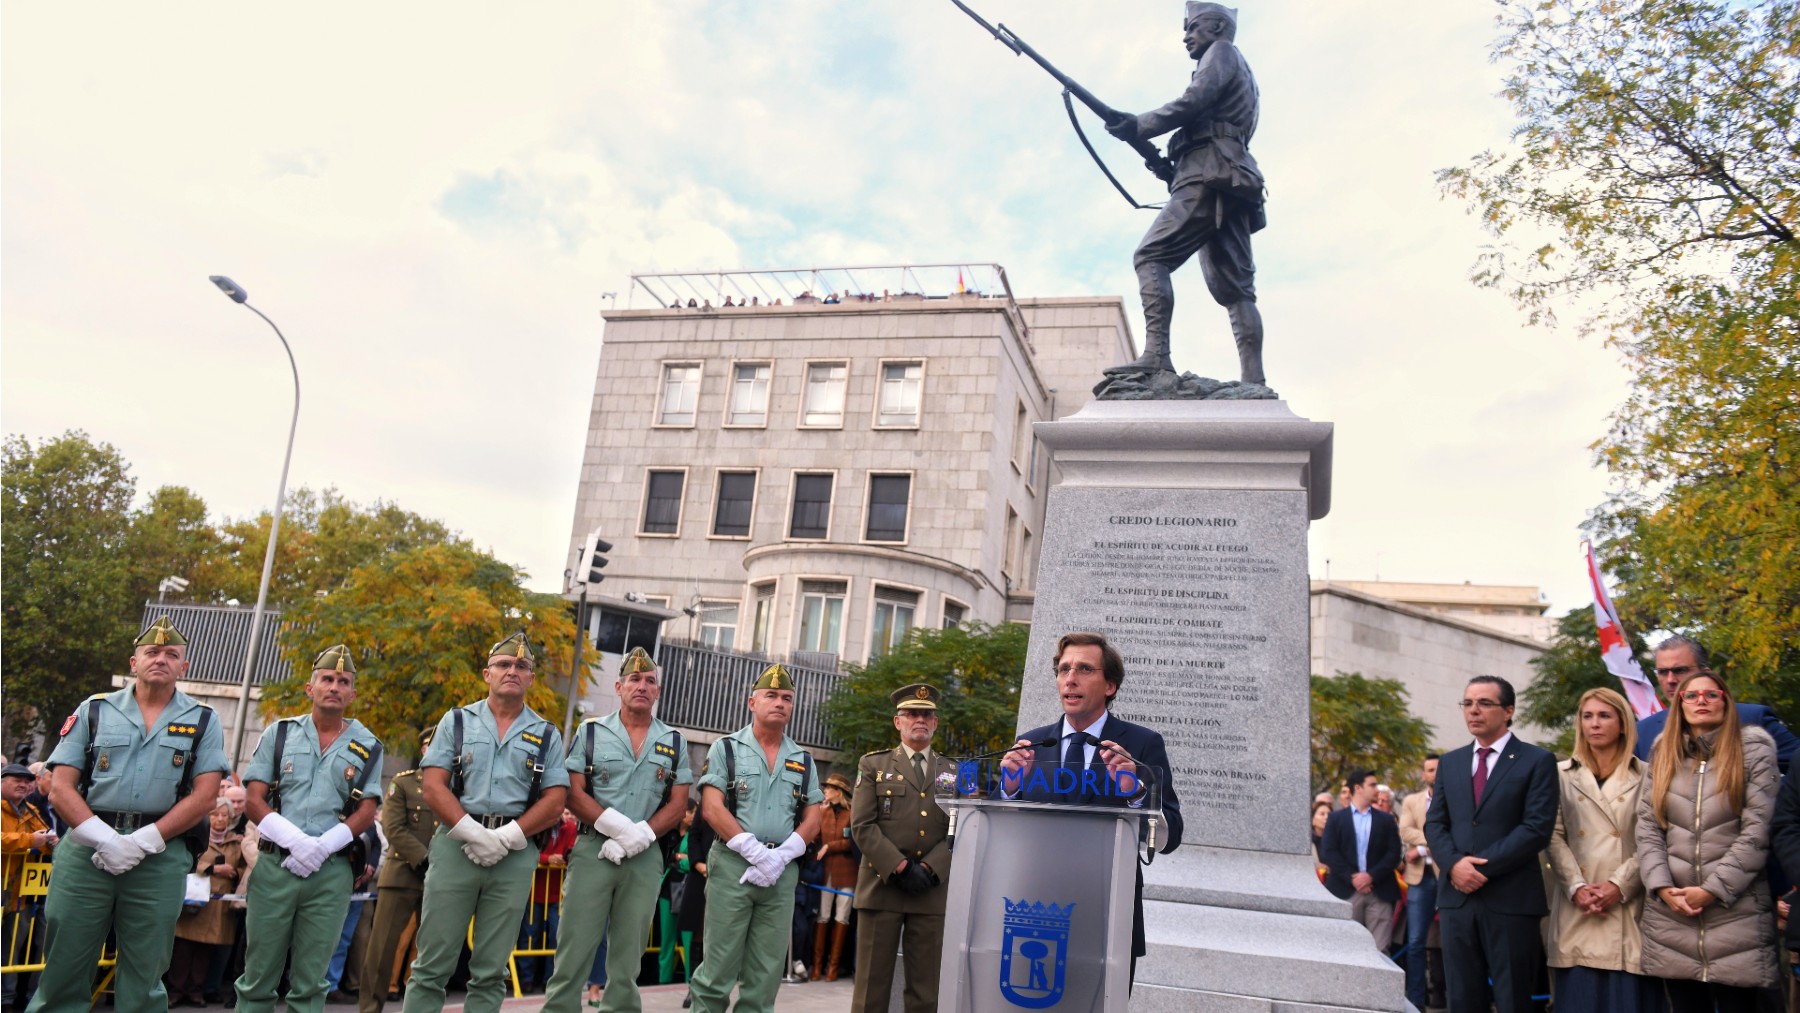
x: 637, y: 661
x: 160, y: 633
x: 774, y: 677
x: 1195, y: 8
x: 512, y: 647
x: 335, y: 658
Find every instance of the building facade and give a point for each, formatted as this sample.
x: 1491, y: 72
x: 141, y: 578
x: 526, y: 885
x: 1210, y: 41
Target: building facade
x: 1510, y: 608
x: 811, y: 480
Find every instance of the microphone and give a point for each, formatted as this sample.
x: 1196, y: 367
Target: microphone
x: 1039, y: 744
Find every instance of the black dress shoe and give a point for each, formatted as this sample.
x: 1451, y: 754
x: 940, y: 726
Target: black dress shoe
x: 339, y: 997
x: 687, y: 1000
x: 393, y: 997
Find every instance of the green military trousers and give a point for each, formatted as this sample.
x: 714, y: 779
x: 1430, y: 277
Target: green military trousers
x: 284, y: 914
x: 595, y: 890
x: 747, y: 930
x: 85, y: 904
x: 456, y: 890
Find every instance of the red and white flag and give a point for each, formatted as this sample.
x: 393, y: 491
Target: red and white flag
x: 1613, y: 648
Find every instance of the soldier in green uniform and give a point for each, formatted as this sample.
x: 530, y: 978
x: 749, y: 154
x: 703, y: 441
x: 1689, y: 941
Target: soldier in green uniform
x: 307, y: 792
x: 408, y: 823
x: 760, y: 794
x: 628, y: 780
x: 487, y: 779
x: 903, y: 834
x: 135, y: 770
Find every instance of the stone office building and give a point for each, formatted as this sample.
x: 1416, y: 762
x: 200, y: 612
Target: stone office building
x: 812, y: 479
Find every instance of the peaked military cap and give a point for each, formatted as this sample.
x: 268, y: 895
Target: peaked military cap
x: 916, y: 697
x: 512, y: 647
x: 635, y: 662
x: 774, y: 677
x: 336, y: 658
x: 160, y: 633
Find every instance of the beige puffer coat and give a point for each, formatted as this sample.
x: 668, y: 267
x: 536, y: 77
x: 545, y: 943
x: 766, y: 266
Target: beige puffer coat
x: 1732, y: 942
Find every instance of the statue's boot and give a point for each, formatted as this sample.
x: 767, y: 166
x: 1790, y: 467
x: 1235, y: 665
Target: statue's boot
x: 1156, y: 356
x: 1247, y: 328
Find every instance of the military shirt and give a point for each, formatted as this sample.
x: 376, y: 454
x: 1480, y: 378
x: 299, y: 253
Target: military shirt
x: 314, y: 784
x: 496, y: 770
x: 621, y: 779
x: 765, y: 798
x: 135, y: 772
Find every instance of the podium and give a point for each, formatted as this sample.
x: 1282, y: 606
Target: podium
x: 1041, y: 900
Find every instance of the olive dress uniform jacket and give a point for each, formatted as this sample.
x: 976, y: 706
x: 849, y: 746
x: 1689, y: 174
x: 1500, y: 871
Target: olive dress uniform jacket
x: 408, y: 823
x: 893, y: 817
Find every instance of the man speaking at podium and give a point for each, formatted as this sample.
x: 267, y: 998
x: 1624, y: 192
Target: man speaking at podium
x: 1122, y: 758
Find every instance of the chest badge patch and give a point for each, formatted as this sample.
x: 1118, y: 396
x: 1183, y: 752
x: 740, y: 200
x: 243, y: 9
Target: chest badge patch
x: 664, y: 749
x: 188, y: 730
x: 349, y: 773
x: 533, y: 739
x: 180, y: 758
x: 795, y: 765
x: 105, y: 761
x: 359, y: 749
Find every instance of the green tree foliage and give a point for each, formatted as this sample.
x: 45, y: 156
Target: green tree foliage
x: 421, y: 622
x: 66, y: 531
x: 324, y: 537
x: 1360, y: 722
x: 977, y: 666
x: 171, y: 537
x: 1571, y: 667
x: 1653, y: 175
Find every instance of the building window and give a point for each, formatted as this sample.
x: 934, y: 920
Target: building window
x: 1021, y: 438
x: 888, y: 496
x: 680, y: 394
x: 901, y: 385
x: 1026, y: 548
x: 662, y: 502
x: 821, y: 615
x: 811, y: 517
x: 762, y: 616
x: 894, y: 612
x: 736, y: 500
x: 749, y: 395
x: 718, y: 625
x: 954, y: 614
x: 1009, y: 561
x: 824, y: 405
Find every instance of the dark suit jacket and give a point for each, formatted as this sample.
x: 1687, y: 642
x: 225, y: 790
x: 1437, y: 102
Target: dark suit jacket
x: 1147, y: 747
x: 1750, y: 715
x: 1337, y: 852
x: 1509, y: 829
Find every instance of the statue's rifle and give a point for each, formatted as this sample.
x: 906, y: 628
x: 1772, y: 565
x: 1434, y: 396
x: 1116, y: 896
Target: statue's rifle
x: 1154, y: 160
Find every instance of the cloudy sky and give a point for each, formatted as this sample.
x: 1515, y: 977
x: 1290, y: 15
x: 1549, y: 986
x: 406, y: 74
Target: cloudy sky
x: 433, y: 199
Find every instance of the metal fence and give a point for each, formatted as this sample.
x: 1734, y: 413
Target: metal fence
x: 218, y: 636
x: 705, y: 688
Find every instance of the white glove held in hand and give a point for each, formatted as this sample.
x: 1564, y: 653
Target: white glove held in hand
x: 511, y: 835
x: 791, y: 848
x: 306, y: 859
x: 479, y: 843
x: 613, y: 823
x: 747, y: 845
x: 612, y: 851
x: 117, y: 855
x: 756, y: 877
x: 149, y: 838
x: 640, y: 838
x: 336, y: 838
x: 275, y: 827
x: 93, y: 832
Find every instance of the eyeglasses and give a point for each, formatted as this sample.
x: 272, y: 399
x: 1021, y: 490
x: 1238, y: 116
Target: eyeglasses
x: 1708, y: 695
x: 1678, y: 671
x: 1479, y: 705
x: 1077, y: 669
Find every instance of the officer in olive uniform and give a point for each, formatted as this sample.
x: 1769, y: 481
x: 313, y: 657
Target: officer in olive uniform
x: 408, y: 823
x: 307, y: 790
x: 628, y: 785
x: 490, y: 776
x: 903, y: 834
x: 760, y: 794
x: 135, y: 770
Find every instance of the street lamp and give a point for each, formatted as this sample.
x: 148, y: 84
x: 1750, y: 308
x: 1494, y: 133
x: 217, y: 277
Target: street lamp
x: 238, y: 295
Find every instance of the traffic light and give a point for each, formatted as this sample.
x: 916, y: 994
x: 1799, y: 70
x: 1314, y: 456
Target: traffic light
x: 593, y: 559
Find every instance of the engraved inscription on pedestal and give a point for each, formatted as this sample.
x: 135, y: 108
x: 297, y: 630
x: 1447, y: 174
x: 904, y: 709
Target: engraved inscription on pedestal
x: 1205, y: 594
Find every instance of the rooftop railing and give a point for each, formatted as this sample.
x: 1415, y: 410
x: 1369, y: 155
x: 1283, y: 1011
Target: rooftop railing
x: 705, y: 689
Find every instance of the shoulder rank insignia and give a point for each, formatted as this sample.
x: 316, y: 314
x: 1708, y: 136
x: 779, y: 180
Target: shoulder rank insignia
x: 664, y: 749
x: 796, y: 766
x: 533, y: 739
x: 358, y: 748
x: 188, y: 730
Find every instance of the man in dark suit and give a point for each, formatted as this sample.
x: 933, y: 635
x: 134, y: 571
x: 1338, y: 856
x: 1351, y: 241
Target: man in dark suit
x: 1679, y: 657
x: 1124, y: 759
x: 1492, y: 811
x: 1360, y: 850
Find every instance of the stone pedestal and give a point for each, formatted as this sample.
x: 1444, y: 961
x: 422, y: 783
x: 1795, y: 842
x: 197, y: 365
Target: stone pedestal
x: 1178, y: 529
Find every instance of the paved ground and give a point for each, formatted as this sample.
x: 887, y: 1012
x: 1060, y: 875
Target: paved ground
x: 811, y: 997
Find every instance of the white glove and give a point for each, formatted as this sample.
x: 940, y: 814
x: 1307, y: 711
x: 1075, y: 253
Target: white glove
x: 791, y: 848
x: 93, y: 832
x: 747, y: 845
x: 335, y: 839
x: 613, y: 823
x: 306, y: 859
x: 613, y: 851
x: 479, y: 843
x: 511, y: 835
x: 149, y: 838
x: 275, y: 827
x: 117, y: 855
x: 639, y: 839
x: 756, y: 877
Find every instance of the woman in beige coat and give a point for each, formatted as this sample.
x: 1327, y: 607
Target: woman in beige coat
x: 1594, y: 905
x: 203, y: 928
x: 1703, y: 839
